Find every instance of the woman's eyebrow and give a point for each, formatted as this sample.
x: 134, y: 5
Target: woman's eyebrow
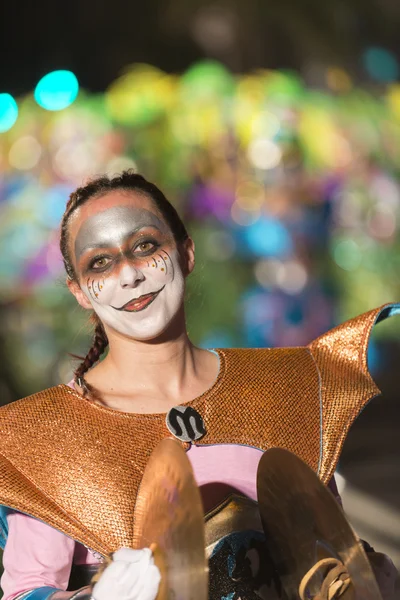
x: 108, y: 242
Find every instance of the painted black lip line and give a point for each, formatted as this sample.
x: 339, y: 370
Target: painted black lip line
x: 154, y: 294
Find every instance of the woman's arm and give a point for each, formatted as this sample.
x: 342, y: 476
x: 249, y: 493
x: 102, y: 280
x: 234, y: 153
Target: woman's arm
x: 36, y: 559
x: 37, y: 564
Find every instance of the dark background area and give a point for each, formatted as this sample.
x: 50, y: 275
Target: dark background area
x: 97, y: 39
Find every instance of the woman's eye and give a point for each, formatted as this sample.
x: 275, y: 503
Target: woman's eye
x: 144, y: 247
x: 100, y: 263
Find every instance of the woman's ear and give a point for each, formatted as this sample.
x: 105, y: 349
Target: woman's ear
x: 188, y: 256
x: 81, y: 298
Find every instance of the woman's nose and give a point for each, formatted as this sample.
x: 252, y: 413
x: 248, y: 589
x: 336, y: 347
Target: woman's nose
x: 130, y: 276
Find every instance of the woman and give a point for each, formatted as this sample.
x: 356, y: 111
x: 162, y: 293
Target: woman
x: 127, y: 255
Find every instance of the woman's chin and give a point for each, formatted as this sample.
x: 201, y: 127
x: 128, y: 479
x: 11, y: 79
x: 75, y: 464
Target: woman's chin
x: 151, y: 334
x: 152, y: 329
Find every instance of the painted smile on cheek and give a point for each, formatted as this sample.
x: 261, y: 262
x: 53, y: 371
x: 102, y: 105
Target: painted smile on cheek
x: 140, y: 303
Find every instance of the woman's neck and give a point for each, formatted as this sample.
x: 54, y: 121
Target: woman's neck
x: 153, y: 376
x: 146, y: 364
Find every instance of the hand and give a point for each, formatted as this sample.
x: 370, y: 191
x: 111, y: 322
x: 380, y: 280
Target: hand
x: 132, y: 575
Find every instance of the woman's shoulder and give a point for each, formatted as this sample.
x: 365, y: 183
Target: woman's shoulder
x: 36, y: 412
x: 49, y: 396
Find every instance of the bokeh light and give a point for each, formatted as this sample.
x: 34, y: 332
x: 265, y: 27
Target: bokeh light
x: 205, y: 81
x: 140, y: 96
x: 8, y: 112
x: 57, y: 90
x: 381, y: 64
x: 25, y: 153
x: 268, y: 237
x: 264, y: 154
x: 347, y: 254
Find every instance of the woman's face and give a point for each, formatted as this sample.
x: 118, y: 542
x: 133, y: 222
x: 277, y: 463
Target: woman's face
x: 127, y: 264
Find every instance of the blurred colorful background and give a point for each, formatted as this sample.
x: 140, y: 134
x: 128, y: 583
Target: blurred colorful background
x: 290, y: 193
x: 275, y: 131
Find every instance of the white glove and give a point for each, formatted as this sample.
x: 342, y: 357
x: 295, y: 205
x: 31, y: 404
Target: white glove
x: 132, y: 575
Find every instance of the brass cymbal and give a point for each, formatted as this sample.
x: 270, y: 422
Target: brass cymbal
x: 169, y: 518
x: 304, y: 524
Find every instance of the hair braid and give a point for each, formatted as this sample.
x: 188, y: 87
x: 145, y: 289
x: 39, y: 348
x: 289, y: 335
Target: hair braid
x: 99, y: 344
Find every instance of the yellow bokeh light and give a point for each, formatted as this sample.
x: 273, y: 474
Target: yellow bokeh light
x: 25, y: 153
x: 393, y: 100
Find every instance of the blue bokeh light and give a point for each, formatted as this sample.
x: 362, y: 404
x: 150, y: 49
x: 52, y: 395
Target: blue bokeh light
x: 8, y: 112
x: 258, y: 313
x: 54, y: 203
x: 57, y: 90
x: 268, y: 237
x: 381, y: 64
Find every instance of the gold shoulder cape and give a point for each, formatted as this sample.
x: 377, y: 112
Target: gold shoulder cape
x: 77, y: 465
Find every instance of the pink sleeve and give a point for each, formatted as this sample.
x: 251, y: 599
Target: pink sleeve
x: 35, y: 555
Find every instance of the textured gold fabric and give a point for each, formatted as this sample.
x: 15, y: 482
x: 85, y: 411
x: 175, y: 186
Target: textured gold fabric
x: 266, y: 398
x: 77, y: 465
x: 346, y: 385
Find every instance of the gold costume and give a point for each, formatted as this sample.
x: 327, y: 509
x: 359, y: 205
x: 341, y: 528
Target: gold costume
x: 77, y: 465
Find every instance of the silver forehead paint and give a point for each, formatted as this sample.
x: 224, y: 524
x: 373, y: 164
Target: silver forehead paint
x: 111, y: 227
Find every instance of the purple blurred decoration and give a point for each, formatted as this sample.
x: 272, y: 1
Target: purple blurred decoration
x: 36, y: 268
x: 208, y: 200
x: 331, y: 186
x: 46, y: 263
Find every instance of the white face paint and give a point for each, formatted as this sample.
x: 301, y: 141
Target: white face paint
x: 129, y: 270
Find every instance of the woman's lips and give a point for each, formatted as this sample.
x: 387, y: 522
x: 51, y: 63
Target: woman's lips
x: 140, y: 303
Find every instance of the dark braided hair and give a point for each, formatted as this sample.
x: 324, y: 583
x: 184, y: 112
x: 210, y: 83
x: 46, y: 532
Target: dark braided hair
x: 128, y: 181
x: 99, y: 344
